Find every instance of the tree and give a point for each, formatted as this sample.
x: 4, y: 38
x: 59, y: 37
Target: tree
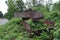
x: 11, y: 9
x: 38, y: 6
x: 1, y: 14
x: 34, y: 2
x: 13, y: 6
x: 20, y: 5
x: 49, y: 5
x: 56, y: 6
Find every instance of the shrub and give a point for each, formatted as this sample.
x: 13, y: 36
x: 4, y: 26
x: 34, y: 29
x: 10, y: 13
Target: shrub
x: 15, y: 20
x: 57, y: 34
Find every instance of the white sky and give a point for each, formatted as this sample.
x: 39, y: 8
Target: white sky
x: 3, y: 6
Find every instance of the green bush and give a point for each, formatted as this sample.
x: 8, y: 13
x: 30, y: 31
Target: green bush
x: 57, y: 34
x: 36, y: 25
x: 11, y: 30
x: 15, y: 20
x: 14, y: 30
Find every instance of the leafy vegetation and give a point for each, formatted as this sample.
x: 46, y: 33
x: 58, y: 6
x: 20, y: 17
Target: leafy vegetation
x: 14, y: 29
x: 13, y: 6
x: 1, y: 14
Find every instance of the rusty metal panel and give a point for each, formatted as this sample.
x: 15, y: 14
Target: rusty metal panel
x: 28, y: 14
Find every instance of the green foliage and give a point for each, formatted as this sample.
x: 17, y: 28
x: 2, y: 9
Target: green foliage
x: 56, y: 6
x: 11, y: 30
x: 1, y: 14
x: 9, y: 16
x: 13, y: 6
x: 39, y: 8
x: 11, y: 9
x: 15, y: 20
x: 20, y: 5
x: 34, y: 2
x: 57, y: 33
x: 14, y: 29
x: 36, y: 25
x: 48, y: 5
x: 53, y: 15
x: 44, y: 36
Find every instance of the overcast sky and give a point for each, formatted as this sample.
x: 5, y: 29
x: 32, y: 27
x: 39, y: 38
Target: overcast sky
x: 3, y: 6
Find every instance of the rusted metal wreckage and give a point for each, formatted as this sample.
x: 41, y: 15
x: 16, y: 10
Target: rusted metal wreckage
x: 29, y: 14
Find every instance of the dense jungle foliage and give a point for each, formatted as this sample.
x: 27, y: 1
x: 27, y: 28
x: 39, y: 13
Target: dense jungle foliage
x: 14, y: 30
